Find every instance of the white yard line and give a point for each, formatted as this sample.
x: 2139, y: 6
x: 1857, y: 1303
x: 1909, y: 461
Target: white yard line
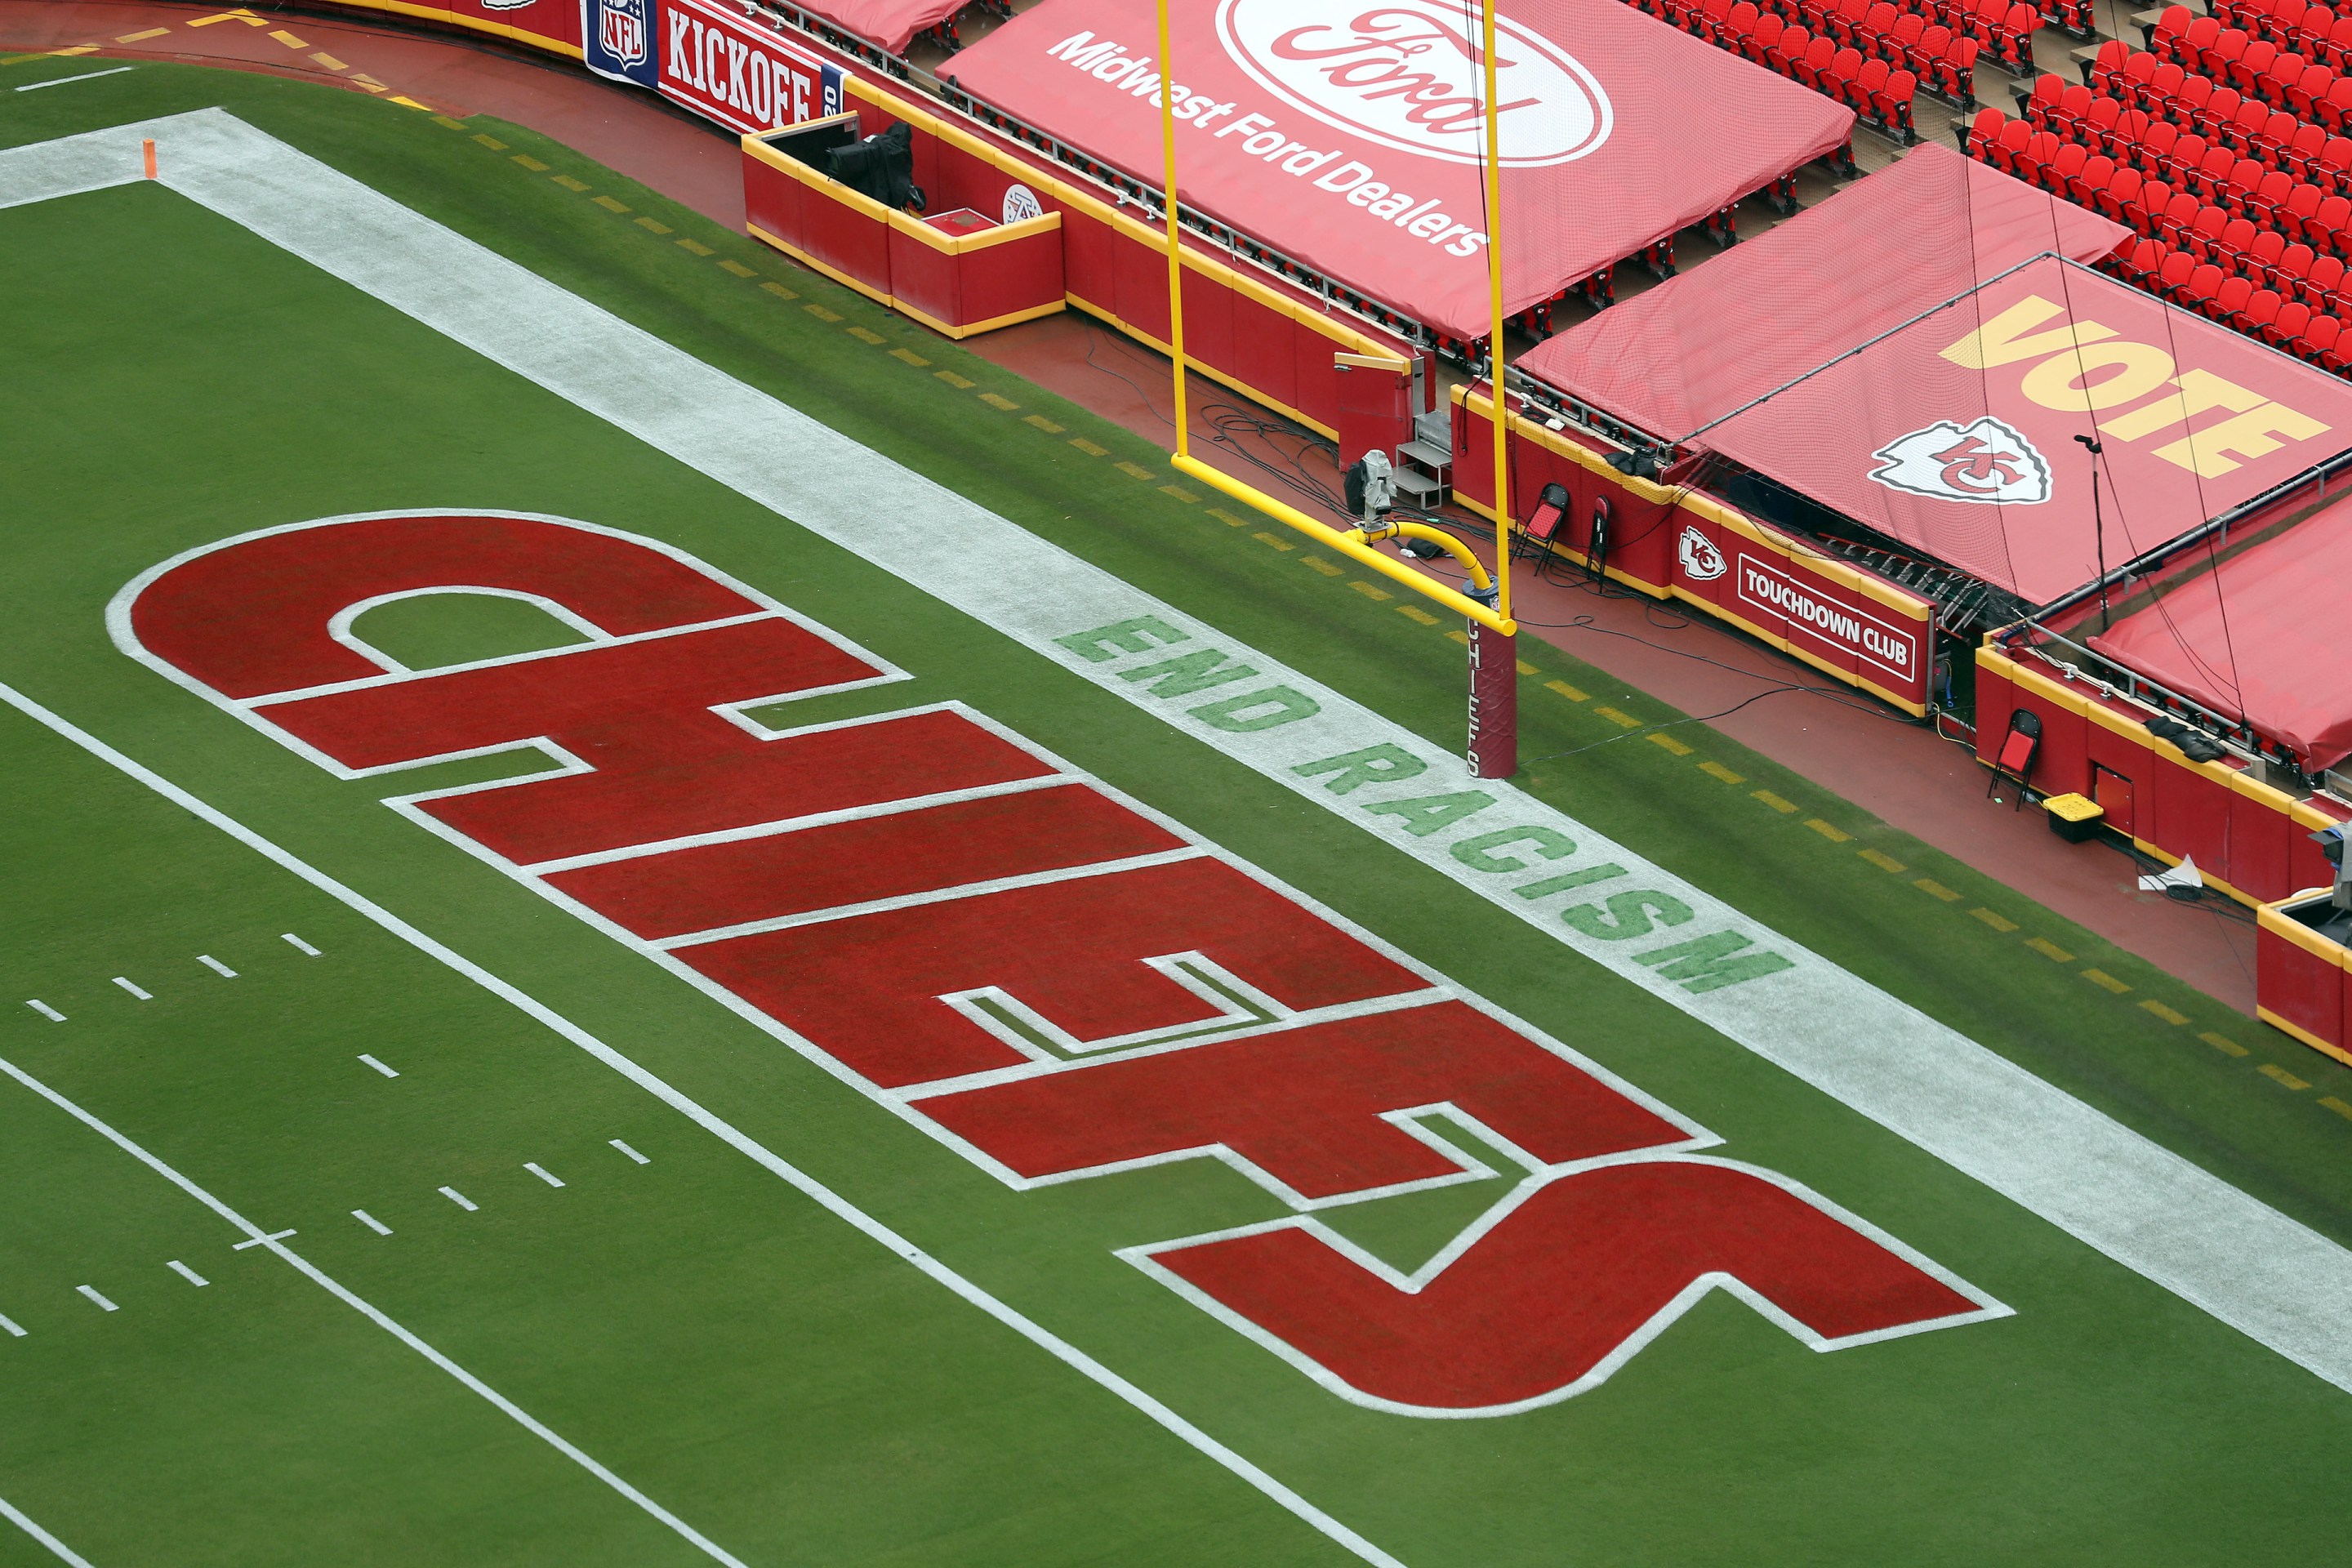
x: 379, y: 1067
x: 133, y: 989
x: 63, y: 80
x: 373, y: 1223
x: 104, y: 1303
x: 536, y: 1169
x: 216, y: 966
x: 23, y: 1521
x: 2139, y: 1203
x: 188, y: 1274
x: 734, y: 1137
x: 301, y: 946
x: 256, y: 1236
x: 460, y: 1199
x: 46, y: 1011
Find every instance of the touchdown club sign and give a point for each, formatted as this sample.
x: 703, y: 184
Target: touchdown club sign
x: 1789, y: 599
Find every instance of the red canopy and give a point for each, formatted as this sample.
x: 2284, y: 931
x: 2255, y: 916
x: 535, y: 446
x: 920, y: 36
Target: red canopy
x: 1928, y: 228
x: 892, y: 23
x: 1349, y: 138
x: 2262, y: 640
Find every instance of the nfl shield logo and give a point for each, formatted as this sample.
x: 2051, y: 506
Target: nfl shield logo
x: 621, y: 31
x: 1986, y: 462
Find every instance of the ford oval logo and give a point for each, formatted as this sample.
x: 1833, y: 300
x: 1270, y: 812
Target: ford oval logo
x: 1406, y: 74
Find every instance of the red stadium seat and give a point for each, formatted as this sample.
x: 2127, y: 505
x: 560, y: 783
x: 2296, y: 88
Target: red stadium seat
x: 2254, y: 317
x: 1891, y: 103
x: 2142, y: 210
x: 1766, y: 33
x: 2204, y: 284
x: 2210, y: 178
x: 2103, y: 123
x: 2175, y: 21
x: 2149, y: 82
x: 2310, y: 29
x: 2172, y: 224
x: 2319, y: 338
x: 2182, y: 161
x: 2117, y: 198
x: 2321, y: 282
x: 1711, y: 19
x: 2331, y: 110
x: 2064, y: 165
x: 2262, y: 253
x: 2203, y: 236
x: 2248, y: 68
x: 2294, y: 269
x: 1783, y: 56
x: 2279, y: 129
x: 1869, y: 77
x: 2011, y: 144
x: 1811, y: 69
x: 2228, y: 299
x: 2245, y: 125
x: 2138, y: 261
x: 1740, y: 24
x: 1953, y: 72
x: 2153, y: 149
x: 1984, y: 131
x: 2233, y: 250
x: 1839, y: 76
x: 2333, y: 168
x: 2295, y: 216
x: 2286, y: 324
x: 2228, y: 47
x: 2083, y: 187
x: 2338, y: 50
x: 2269, y: 195
x: 2326, y: 227
x: 2045, y: 103
x: 2105, y: 72
x: 2297, y: 154
x: 2187, y: 100
x: 2172, y: 277
x: 2245, y: 178
x: 1897, y: 43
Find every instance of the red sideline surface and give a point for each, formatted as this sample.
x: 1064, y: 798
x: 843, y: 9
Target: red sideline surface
x: 2261, y: 640
x: 1350, y: 137
x: 1923, y: 230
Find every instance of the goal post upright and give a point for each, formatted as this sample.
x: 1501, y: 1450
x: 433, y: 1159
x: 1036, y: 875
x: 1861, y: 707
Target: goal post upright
x: 1494, y: 749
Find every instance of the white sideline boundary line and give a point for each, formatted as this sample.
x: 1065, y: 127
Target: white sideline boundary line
x: 808, y: 1187
x: 24, y: 1521
x: 256, y: 1236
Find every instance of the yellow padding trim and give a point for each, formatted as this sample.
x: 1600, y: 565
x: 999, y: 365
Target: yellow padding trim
x: 2305, y: 1035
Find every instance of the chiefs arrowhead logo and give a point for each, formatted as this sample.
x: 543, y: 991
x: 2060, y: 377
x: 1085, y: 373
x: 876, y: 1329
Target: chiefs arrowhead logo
x: 1701, y: 560
x: 1985, y: 462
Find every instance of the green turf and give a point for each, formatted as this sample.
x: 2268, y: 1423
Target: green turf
x: 777, y: 1378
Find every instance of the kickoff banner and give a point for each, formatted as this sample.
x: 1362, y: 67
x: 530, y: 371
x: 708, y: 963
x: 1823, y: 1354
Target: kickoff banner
x: 710, y: 59
x: 1347, y: 132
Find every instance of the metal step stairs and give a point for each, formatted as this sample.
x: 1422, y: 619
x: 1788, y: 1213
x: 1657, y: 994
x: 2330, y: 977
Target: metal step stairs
x: 1961, y: 601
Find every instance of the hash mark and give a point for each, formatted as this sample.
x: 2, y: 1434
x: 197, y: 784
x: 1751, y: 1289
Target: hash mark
x: 127, y: 985
x: 46, y: 1011
x: 10, y: 1324
x: 460, y: 1199
x: 94, y: 1296
x: 537, y: 1169
x: 379, y: 1067
x: 188, y: 1274
x: 631, y: 1154
x: 301, y: 946
x: 373, y: 1223
x: 216, y: 966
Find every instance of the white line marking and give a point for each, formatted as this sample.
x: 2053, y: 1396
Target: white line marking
x: 255, y: 1237
x: 16, y: 1517
x: 631, y: 1154
x: 534, y: 1168
x: 46, y: 1011
x: 379, y: 1067
x: 373, y: 1223
x: 216, y: 966
x: 935, y: 896
x: 301, y: 946
x: 62, y: 80
x: 833, y: 1203
x: 127, y: 985
x: 188, y: 1274
x: 10, y: 1324
x: 96, y: 1297
x: 460, y: 1199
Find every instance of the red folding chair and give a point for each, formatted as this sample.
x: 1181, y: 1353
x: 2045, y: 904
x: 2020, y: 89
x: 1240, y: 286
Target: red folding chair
x: 2021, y: 747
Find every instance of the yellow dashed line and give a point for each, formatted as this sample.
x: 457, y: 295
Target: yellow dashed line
x: 997, y: 400
x: 1783, y: 806
x: 2337, y: 1106
x: 1091, y: 450
x: 1936, y: 890
x: 412, y: 104
x: 780, y: 292
x: 1834, y: 835
x: 492, y: 142
x: 366, y: 83
x: 1670, y: 744
x: 1461, y: 637
x: 533, y: 164
x: 1622, y: 721
x: 452, y: 124
x: 1282, y: 544
x: 1883, y: 860
x: 1134, y: 470
x: 951, y: 377
x: 1378, y: 595
x: 2163, y: 1012
x: 568, y: 183
x: 2049, y: 949
x: 68, y: 54
x: 2281, y: 1075
x: 651, y: 227
x: 1718, y: 770
x: 1317, y: 563
x: 1525, y: 668
x: 907, y: 356
x: 822, y: 314
x: 290, y: 41
x: 610, y: 205
x: 866, y: 335
x: 157, y: 33
x: 1996, y: 921
x: 738, y: 269
x: 696, y: 248
x: 2223, y: 1043
x: 1228, y: 518
x: 330, y: 61
x: 2105, y: 981
x: 1042, y: 423
x: 1178, y: 491
x: 1565, y: 690
x: 1414, y: 612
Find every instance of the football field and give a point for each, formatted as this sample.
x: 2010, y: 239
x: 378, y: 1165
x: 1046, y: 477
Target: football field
x: 653, y: 917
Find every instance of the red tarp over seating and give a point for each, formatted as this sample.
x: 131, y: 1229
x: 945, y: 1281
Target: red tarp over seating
x: 1932, y: 226
x: 2263, y: 640
x: 892, y: 23
x: 1349, y: 137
